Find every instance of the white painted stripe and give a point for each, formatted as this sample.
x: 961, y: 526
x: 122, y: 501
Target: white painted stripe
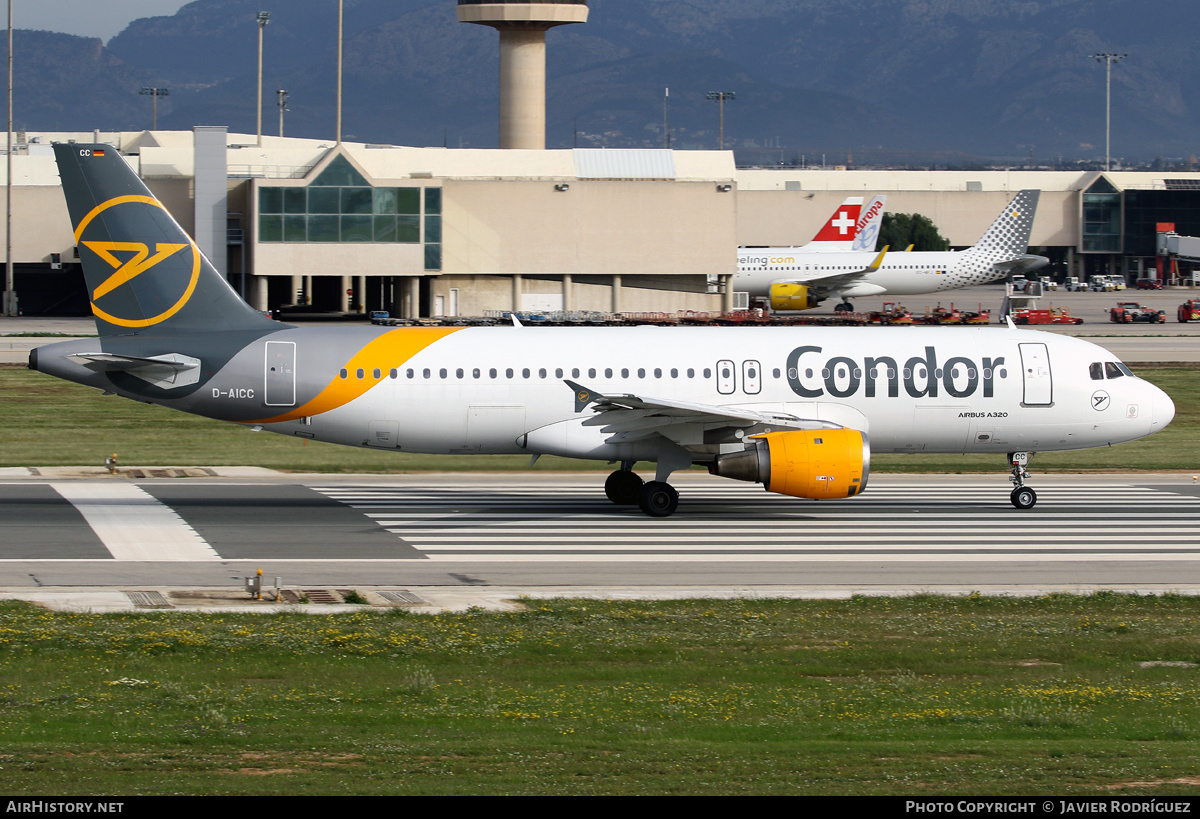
x: 134, y: 525
x: 613, y: 557
x: 606, y: 539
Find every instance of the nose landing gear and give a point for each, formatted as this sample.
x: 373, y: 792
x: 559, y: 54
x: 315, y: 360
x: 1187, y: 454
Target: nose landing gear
x: 1022, y: 496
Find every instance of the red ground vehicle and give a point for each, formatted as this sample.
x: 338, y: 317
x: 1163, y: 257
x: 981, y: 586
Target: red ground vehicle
x: 1127, y: 312
x: 1189, y: 311
x: 1149, y: 284
x: 1055, y: 315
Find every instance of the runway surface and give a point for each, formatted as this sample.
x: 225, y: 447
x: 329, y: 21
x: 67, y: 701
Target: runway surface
x: 533, y: 531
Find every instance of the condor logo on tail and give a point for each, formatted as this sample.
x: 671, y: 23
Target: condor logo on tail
x: 127, y: 300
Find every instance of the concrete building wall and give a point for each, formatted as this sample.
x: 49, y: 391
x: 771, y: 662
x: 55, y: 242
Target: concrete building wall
x: 593, y: 228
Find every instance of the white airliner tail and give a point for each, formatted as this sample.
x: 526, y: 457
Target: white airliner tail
x: 866, y: 230
x: 1008, y: 237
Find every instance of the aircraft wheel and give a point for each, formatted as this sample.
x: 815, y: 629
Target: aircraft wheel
x: 623, y: 488
x: 1023, y: 497
x: 658, y: 499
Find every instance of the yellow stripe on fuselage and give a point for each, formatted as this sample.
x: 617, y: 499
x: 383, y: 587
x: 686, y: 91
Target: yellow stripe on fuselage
x: 389, y: 350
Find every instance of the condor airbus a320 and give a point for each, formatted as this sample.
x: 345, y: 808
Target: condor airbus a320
x: 801, y: 282
x: 796, y: 409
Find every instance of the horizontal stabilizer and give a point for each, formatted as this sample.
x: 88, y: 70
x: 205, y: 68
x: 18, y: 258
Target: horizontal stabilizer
x: 165, y: 371
x: 1022, y: 264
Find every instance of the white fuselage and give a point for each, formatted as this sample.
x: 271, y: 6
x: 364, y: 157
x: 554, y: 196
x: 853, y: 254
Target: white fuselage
x: 899, y: 274
x: 488, y: 390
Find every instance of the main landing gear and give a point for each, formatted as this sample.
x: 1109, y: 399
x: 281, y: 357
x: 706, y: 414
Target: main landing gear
x: 626, y: 488
x: 1022, y: 496
x: 844, y: 307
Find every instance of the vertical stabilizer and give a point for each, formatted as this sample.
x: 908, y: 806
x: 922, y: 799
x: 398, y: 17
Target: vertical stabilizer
x: 142, y: 270
x: 866, y: 231
x: 1008, y: 237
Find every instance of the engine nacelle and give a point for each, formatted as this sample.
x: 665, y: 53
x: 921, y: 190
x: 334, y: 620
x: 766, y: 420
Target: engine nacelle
x: 819, y: 464
x: 790, y: 296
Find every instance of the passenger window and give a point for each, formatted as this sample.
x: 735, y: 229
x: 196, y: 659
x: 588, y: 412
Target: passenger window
x: 1096, y: 370
x: 508, y: 373
x: 343, y: 373
x: 425, y: 373
x: 542, y: 372
x: 608, y: 372
x: 624, y: 372
x: 442, y: 372
x: 641, y: 372
x: 691, y: 373
x: 525, y: 372
x: 377, y: 373
x: 359, y: 372
x: 476, y: 373
x: 492, y: 372
x: 592, y: 372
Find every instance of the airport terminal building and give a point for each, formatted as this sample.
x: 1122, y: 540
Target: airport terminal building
x: 430, y: 232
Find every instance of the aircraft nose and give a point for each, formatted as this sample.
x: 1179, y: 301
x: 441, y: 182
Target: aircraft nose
x: 1163, y: 412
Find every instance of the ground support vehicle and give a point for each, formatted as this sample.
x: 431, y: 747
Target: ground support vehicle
x: 1128, y: 312
x: 1149, y: 284
x: 1053, y: 315
x: 1189, y: 311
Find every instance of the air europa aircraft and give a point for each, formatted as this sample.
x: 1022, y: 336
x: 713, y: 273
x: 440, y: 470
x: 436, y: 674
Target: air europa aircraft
x: 796, y: 409
x: 801, y: 282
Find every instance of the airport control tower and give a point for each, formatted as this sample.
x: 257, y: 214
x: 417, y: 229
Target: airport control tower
x: 522, y: 25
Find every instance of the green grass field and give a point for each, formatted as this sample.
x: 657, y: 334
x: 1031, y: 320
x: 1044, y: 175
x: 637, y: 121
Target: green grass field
x: 49, y: 422
x: 1063, y: 695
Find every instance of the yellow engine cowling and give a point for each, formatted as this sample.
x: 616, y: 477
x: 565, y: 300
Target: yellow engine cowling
x: 789, y: 296
x: 819, y: 464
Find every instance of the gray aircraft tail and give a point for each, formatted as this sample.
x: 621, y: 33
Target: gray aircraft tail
x: 142, y: 270
x: 1008, y: 237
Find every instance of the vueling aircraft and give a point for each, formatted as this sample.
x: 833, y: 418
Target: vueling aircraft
x: 796, y: 409
x: 800, y: 282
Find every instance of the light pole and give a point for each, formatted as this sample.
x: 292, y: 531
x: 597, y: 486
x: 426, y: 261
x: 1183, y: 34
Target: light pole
x: 720, y: 97
x: 10, y: 297
x: 263, y: 17
x: 282, y: 103
x: 1108, y: 60
x: 147, y: 91
x: 339, y: 75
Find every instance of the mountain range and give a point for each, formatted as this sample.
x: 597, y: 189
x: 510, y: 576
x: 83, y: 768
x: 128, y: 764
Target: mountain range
x: 921, y: 81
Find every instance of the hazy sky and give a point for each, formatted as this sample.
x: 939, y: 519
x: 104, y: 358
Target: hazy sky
x: 87, y: 18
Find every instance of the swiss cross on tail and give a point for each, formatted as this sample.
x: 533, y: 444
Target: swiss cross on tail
x: 841, y: 227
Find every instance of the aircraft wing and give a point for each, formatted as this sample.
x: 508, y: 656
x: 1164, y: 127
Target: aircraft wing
x: 845, y: 281
x: 634, y: 417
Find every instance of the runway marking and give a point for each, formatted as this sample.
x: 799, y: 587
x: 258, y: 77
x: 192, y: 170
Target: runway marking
x: 133, y: 525
x: 573, y: 522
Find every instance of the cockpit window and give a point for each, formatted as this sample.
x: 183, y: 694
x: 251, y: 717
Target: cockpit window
x: 1112, y: 369
x: 1096, y: 370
